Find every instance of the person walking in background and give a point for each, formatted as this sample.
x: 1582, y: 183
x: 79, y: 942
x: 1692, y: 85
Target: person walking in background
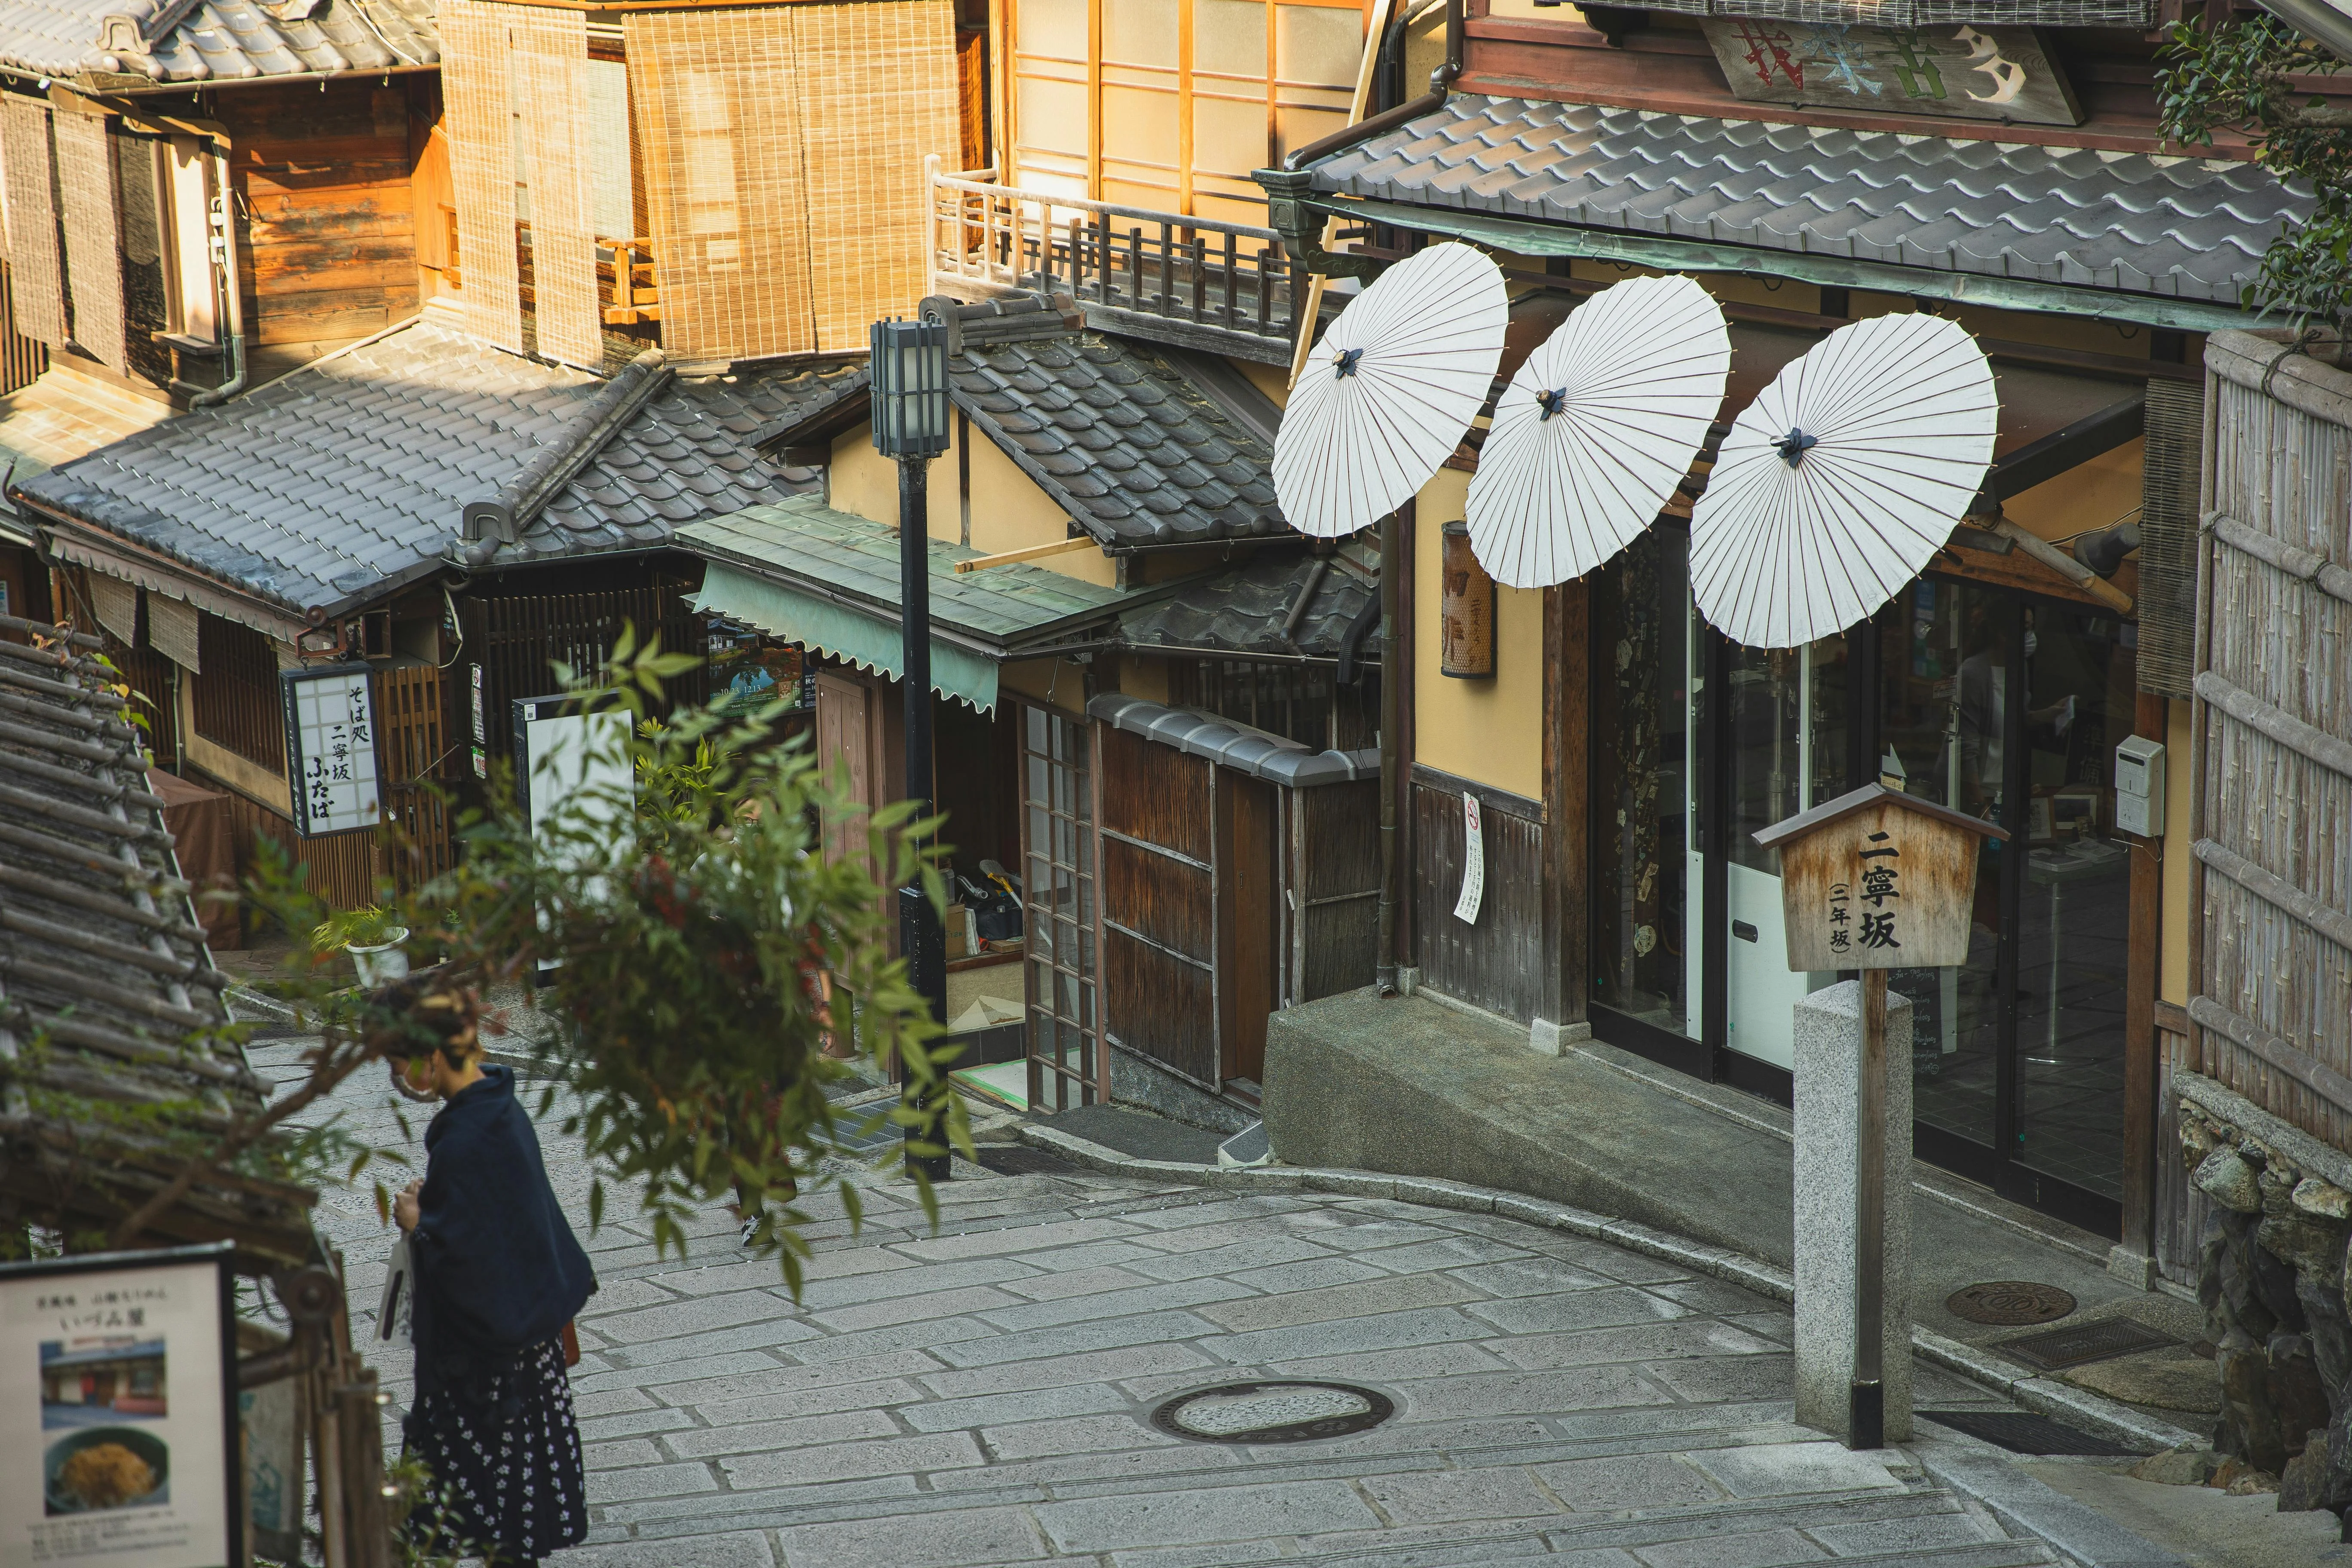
x: 498, y: 1278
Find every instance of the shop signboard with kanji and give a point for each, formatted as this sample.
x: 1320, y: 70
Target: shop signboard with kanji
x: 1878, y: 880
x: 331, y: 743
x: 118, y: 1415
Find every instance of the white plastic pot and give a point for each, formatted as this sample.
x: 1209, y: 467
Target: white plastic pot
x: 383, y: 963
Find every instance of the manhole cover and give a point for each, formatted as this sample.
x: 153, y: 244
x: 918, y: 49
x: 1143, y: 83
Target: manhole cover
x: 2011, y: 1303
x: 1272, y: 1412
x: 2077, y: 1344
x: 2022, y: 1433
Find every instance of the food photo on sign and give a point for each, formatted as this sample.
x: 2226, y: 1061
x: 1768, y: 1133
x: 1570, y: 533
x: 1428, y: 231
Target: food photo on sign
x: 116, y: 1375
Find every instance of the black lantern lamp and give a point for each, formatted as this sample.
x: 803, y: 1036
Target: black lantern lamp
x: 910, y: 389
x: 909, y: 372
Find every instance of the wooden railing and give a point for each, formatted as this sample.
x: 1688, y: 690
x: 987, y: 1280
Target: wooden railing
x: 1195, y: 281
x: 625, y: 280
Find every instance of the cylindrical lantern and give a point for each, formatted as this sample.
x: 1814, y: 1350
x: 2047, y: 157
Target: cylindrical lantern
x: 909, y: 373
x: 1466, y: 612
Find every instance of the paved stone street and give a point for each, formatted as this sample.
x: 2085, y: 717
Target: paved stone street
x: 983, y: 1395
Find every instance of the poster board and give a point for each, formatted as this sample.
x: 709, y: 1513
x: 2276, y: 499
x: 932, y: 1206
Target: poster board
x: 117, y: 1411
x: 330, y: 746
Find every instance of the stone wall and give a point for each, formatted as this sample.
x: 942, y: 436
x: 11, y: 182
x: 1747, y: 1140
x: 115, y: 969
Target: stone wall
x: 2273, y: 1281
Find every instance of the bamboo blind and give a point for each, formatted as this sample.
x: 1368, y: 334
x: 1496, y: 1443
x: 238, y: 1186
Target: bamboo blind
x: 171, y: 631
x: 2167, y: 527
x: 93, y: 238
x: 2274, y: 1007
x: 717, y: 95
x: 879, y: 94
x: 549, y: 66
x: 478, y: 102
x: 36, y: 263
x: 115, y: 603
x: 783, y: 153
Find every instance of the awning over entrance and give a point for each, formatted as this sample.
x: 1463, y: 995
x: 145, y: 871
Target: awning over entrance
x: 807, y: 574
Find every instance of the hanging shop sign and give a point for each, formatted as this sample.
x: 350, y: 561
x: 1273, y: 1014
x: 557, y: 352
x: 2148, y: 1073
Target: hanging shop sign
x: 1878, y: 880
x: 1954, y: 69
x: 117, y: 1411
x: 331, y: 732
x: 1466, y: 610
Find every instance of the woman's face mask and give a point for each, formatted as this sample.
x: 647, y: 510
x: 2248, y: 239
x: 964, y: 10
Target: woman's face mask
x: 2031, y: 642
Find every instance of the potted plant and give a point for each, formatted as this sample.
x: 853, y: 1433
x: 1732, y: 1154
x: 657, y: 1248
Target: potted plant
x: 372, y: 936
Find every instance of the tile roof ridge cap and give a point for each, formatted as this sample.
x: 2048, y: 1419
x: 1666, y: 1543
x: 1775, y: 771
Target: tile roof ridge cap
x: 502, y: 517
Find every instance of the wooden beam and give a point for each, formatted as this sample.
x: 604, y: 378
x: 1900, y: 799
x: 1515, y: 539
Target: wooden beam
x: 1568, y: 773
x: 1033, y: 553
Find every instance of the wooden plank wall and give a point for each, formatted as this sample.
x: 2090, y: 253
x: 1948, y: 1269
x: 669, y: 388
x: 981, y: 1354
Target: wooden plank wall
x: 2272, y: 720
x: 2180, y: 1208
x: 329, y: 253
x: 1336, y: 877
x: 1158, y: 905
x: 1497, y: 963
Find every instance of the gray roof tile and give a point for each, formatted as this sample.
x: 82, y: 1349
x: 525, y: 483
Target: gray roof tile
x: 2187, y: 228
x: 219, y: 41
x: 354, y: 471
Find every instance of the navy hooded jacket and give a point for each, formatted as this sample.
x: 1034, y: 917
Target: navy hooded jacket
x: 498, y: 1268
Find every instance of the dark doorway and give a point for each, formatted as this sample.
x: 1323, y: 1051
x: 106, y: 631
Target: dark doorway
x: 1250, y: 923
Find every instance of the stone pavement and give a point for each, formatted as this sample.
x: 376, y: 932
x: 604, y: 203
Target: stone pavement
x: 983, y: 1395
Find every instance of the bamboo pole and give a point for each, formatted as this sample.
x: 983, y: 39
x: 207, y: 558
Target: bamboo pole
x: 1302, y: 316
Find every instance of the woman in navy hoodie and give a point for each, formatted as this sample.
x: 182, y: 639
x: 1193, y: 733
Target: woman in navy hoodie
x: 499, y: 1275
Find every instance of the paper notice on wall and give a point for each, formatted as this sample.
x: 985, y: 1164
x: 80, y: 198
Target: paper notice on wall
x: 1474, y: 862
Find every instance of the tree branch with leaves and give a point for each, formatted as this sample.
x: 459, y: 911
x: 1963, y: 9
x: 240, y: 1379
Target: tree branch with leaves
x: 2242, y: 76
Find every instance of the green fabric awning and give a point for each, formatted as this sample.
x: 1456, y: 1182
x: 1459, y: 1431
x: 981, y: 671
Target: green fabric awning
x: 795, y: 615
x: 801, y: 572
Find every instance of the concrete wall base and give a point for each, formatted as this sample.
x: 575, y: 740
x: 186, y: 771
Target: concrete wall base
x: 1135, y: 1081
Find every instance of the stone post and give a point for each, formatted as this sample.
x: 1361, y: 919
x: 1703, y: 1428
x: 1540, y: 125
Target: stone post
x: 1828, y: 1050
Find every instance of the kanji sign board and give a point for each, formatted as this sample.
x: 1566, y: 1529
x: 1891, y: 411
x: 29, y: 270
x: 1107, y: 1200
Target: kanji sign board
x: 1954, y: 69
x: 1878, y: 880
x: 331, y: 739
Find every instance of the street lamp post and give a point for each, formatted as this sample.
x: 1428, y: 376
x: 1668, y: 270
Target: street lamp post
x: 911, y: 425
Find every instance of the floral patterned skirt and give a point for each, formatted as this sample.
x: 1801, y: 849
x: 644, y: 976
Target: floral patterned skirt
x: 505, y: 1456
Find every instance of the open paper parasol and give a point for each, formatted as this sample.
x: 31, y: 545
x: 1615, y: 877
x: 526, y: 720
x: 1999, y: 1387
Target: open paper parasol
x: 1596, y: 430
x: 1389, y: 391
x: 1841, y: 481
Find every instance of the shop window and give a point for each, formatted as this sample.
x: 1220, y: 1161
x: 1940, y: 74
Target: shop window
x: 1058, y: 900
x: 1298, y: 702
x: 236, y: 699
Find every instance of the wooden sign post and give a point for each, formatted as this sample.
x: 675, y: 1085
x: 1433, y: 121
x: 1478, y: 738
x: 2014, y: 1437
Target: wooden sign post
x: 1874, y: 880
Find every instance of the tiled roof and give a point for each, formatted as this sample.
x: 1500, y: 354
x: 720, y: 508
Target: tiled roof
x: 1132, y: 448
x: 100, y: 952
x: 216, y: 41
x: 1243, y: 610
x: 62, y: 415
x: 350, y: 474
x: 805, y: 541
x: 2189, y: 228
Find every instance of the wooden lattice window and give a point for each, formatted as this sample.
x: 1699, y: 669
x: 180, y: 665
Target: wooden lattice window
x: 236, y: 697
x: 1059, y: 908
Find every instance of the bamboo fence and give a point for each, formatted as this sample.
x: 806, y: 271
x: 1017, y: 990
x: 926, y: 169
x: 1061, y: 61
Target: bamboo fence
x: 2271, y: 816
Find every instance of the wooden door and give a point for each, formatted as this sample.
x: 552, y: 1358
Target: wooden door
x: 1159, y: 910
x: 845, y: 739
x: 1249, y: 925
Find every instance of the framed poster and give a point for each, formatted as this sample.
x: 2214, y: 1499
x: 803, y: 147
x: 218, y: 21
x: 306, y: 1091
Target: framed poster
x: 331, y: 744
x: 117, y: 1411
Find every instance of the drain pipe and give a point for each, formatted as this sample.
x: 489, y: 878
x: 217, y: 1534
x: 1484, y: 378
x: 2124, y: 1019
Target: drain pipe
x: 225, y: 279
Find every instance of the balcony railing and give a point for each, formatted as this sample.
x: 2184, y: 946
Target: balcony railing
x: 1197, y: 282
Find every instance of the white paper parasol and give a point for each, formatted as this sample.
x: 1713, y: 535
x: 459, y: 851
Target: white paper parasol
x: 1596, y: 429
x: 1389, y: 391
x: 1841, y: 481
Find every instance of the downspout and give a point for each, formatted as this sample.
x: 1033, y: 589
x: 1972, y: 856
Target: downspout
x: 226, y: 282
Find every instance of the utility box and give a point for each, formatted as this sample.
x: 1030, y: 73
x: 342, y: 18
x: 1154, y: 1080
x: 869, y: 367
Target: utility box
x: 2139, y: 786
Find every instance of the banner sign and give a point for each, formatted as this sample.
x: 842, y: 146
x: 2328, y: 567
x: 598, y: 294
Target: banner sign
x: 117, y: 1411
x: 330, y: 736
x: 1966, y: 72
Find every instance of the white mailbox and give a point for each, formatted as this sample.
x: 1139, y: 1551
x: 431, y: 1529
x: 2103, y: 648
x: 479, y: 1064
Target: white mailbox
x: 2139, y: 786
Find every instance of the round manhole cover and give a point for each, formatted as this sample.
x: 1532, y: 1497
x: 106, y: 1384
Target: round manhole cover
x: 1272, y: 1412
x: 2009, y: 1303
